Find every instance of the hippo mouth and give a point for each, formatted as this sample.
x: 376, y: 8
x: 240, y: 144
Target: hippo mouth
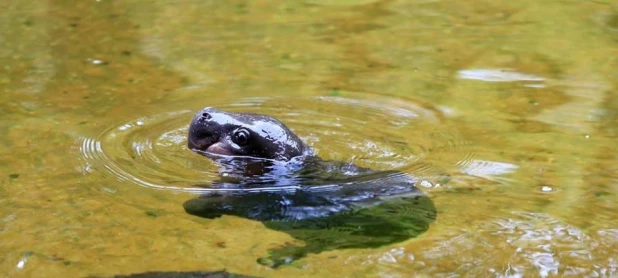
x: 219, y: 148
x: 216, y: 148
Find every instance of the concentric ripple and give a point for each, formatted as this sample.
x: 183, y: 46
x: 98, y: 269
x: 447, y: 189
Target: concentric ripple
x: 377, y: 133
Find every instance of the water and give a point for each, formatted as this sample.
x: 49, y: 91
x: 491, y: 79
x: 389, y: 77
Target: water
x: 505, y: 111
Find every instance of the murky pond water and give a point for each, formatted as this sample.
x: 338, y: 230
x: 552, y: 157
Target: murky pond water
x: 504, y: 111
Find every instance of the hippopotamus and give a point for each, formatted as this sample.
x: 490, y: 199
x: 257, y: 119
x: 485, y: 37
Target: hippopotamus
x: 269, y: 174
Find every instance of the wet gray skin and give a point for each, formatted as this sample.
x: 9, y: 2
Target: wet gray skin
x: 235, y: 134
x: 327, y: 204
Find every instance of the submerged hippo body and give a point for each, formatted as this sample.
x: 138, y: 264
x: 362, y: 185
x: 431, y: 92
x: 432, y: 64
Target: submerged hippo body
x: 272, y: 176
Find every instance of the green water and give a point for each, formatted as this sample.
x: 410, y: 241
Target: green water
x: 513, y: 101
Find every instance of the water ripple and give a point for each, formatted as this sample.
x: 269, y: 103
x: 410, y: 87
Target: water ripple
x: 374, y: 133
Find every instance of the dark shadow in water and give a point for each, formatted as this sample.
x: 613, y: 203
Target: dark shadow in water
x: 363, y: 211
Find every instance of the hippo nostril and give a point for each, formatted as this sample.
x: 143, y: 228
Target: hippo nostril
x: 205, y: 116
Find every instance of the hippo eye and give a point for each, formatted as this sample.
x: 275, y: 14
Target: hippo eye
x: 241, y: 137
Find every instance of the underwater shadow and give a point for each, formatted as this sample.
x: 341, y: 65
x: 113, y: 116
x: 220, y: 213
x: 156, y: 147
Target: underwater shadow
x: 359, y: 213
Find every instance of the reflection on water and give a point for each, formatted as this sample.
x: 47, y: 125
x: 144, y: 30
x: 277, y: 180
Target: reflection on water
x: 487, y: 169
x: 497, y: 75
x: 504, y: 111
x: 524, y: 244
